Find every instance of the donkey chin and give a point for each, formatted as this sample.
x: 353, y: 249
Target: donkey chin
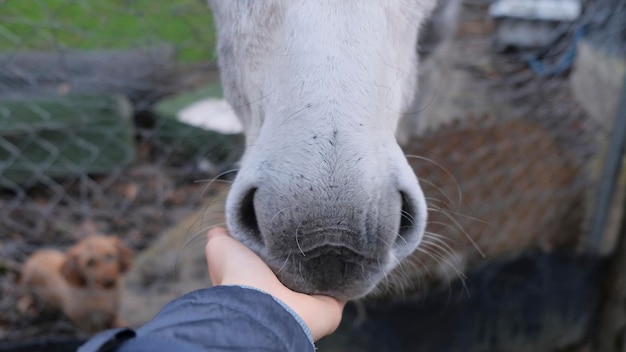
x: 324, y: 194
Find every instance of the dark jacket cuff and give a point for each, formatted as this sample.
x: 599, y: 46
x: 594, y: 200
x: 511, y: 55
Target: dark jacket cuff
x: 221, y: 318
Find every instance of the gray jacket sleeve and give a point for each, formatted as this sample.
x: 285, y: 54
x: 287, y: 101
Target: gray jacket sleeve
x: 221, y: 318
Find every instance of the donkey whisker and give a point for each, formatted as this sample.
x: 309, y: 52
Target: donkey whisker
x: 445, y: 170
x: 466, y: 234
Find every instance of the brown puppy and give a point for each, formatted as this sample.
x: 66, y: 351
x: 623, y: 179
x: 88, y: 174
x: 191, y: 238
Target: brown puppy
x: 84, y: 283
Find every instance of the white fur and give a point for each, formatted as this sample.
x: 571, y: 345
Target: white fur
x: 319, y: 86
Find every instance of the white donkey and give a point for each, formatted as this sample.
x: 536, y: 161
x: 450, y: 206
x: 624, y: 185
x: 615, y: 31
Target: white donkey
x: 324, y: 195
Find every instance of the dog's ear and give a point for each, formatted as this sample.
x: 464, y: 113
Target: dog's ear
x: 125, y: 255
x: 71, y: 270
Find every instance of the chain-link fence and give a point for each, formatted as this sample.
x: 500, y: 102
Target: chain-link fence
x: 79, y: 81
x: 80, y: 135
x: 509, y: 146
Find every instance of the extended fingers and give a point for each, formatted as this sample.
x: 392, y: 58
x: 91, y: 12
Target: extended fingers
x: 325, y: 316
x: 232, y: 263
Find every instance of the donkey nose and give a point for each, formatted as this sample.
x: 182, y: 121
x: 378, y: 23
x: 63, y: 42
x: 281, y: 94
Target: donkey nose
x: 278, y: 221
x: 339, y: 244
x: 331, y: 222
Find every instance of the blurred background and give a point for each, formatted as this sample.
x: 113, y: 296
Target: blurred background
x: 111, y: 115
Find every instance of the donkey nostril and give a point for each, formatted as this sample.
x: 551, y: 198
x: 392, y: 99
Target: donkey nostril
x: 407, y: 221
x: 247, y: 216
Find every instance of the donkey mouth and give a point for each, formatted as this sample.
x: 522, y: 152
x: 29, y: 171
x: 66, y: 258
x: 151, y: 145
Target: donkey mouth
x: 330, y: 270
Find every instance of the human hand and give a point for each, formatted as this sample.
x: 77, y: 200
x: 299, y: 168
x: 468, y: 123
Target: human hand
x: 232, y: 263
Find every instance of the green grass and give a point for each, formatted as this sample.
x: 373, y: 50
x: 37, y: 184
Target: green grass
x: 108, y: 24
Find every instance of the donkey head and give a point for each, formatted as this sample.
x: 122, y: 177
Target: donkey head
x: 324, y: 195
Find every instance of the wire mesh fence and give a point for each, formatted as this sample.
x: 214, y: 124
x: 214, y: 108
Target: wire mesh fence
x: 79, y: 138
x: 78, y: 80
x: 507, y: 154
